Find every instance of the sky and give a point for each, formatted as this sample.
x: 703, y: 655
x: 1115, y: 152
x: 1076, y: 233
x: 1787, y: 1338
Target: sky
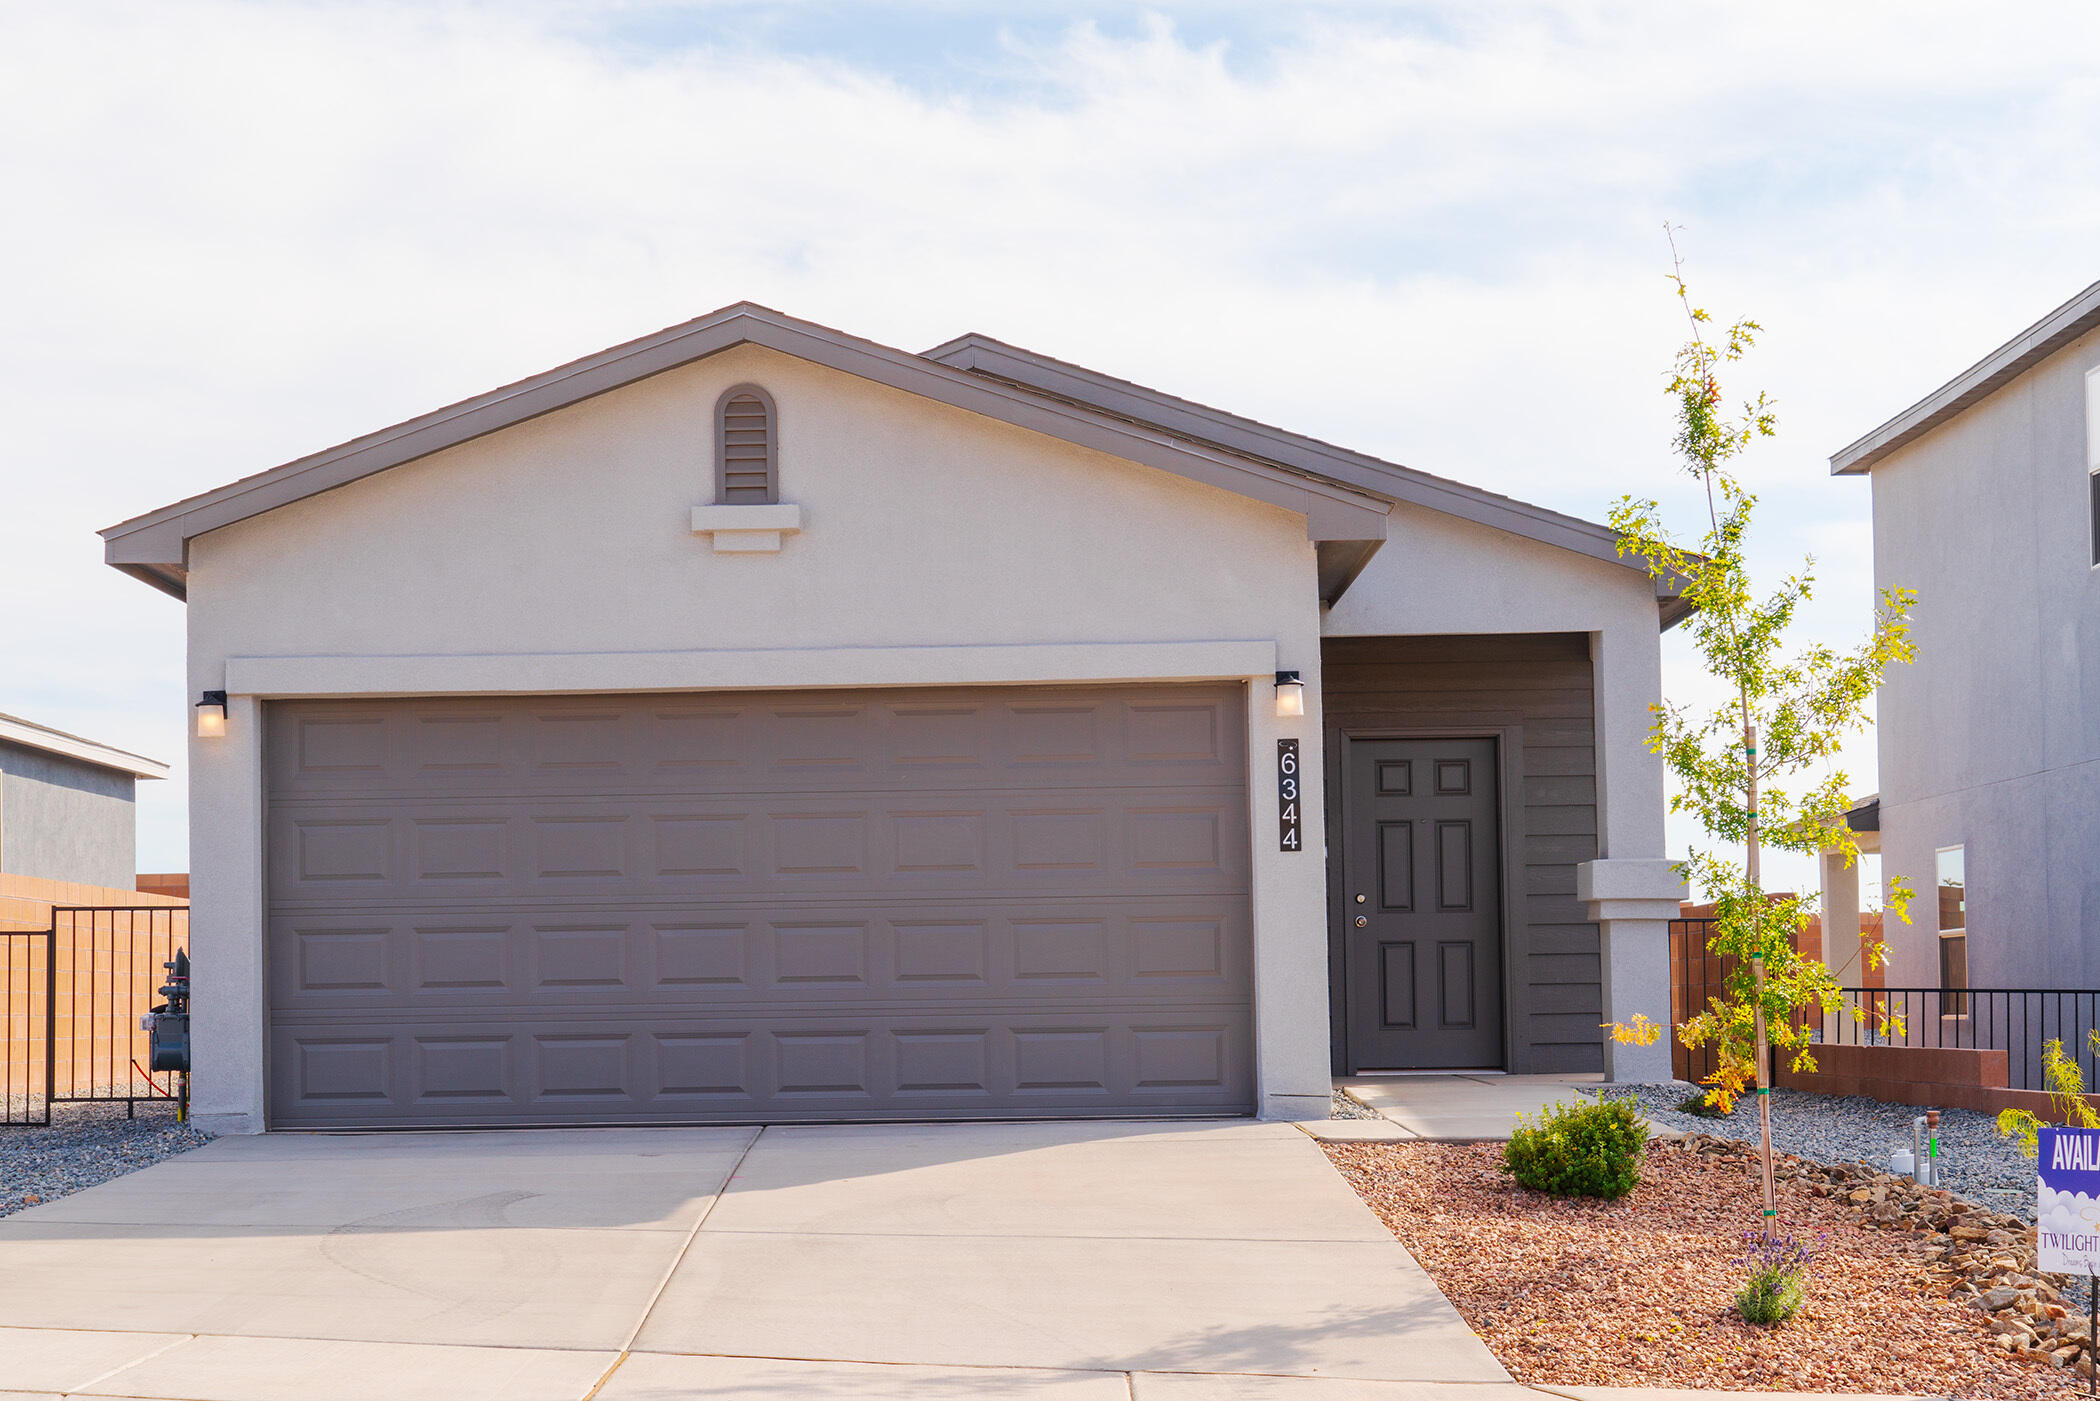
x: 235, y: 233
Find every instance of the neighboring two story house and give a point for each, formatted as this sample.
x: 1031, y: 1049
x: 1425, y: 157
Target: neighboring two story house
x: 1987, y: 503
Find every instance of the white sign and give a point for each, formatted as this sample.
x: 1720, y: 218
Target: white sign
x: 2067, y: 1202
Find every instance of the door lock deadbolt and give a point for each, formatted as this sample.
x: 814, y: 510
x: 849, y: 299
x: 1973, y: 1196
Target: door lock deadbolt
x: 1359, y: 899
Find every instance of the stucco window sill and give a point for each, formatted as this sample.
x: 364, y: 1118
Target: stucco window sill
x: 747, y: 530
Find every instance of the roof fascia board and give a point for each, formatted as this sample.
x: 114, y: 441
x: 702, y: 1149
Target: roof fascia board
x: 1987, y: 376
x: 1333, y: 510
x: 982, y: 355
x: 31, y: 736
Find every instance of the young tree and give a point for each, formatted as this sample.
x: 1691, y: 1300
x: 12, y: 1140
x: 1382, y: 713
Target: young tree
x: 1743, y: 768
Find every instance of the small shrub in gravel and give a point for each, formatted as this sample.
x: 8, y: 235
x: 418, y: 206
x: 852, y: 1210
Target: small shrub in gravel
x: 1700, y: 1107
x: 1975, y: 1160
x: 1578, y: 1150
x: 1778, y: 1276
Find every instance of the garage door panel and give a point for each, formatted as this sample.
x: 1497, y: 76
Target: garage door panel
x: 587, y: 746
x: 620, y: 1069
x: 1010, y: 953
x: 759, y: 906
x: 878, y: 846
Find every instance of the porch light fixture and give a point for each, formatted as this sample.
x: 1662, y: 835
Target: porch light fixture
x: 1290, y: 694
x: 211, y: 715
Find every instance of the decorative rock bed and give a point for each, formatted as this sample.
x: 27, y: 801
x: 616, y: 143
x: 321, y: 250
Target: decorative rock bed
x: 1564, y: 1291
x: 83, y: 1145
x: 1984, y: 1258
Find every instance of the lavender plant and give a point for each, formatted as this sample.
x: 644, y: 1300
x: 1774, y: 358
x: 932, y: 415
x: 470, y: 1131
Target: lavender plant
x: 1778, y: 1268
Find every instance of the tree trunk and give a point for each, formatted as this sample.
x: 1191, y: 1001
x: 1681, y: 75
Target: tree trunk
x: 1757, y: 972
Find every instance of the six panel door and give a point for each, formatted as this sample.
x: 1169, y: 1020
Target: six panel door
x: 1421, y: 905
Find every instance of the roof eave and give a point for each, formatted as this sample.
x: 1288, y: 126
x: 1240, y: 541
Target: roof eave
x: 994, y: 359
x: 2067, y: 323
x: 30, y: 735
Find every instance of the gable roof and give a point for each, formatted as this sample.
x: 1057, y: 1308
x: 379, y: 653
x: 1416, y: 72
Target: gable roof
x: 1344, y: 496
x: 30, y: 735
x: 1987, y: 376
x: 1229, y: 432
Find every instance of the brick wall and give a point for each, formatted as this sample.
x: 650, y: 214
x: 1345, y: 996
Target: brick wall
x: 171, y: 883
x: 1930, y: 1077
x: 26, y: 901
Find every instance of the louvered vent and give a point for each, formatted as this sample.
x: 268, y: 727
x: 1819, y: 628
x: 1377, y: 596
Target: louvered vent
x: 745, y: 451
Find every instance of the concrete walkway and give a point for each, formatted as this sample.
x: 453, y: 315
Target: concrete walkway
x: 1446, y: 1108
x: 1083, y: 1261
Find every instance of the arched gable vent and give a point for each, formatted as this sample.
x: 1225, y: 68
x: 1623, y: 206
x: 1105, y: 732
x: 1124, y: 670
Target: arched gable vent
x: 747, y: 448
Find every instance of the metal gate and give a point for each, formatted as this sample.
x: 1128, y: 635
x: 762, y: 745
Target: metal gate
x: 71, y: 996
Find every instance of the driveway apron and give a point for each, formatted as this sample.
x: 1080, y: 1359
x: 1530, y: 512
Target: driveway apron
x: 1081, y: 1259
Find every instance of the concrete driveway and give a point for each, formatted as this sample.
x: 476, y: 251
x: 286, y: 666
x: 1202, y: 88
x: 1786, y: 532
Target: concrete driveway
x: 1082, y: 1261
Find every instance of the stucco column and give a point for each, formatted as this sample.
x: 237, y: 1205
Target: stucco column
x: 1840, y: 915
x: 1633, y: 903
x: 1631, y: 891
x: 226, y: 922
x: 1292, y: 1074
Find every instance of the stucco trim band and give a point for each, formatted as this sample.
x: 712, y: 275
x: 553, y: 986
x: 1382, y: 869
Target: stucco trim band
x: 747, y: 529
x: 1630, y: 889
x: 548, y: 673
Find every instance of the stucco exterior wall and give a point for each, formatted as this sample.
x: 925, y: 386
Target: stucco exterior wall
x: 64, y: 820
x: 936, y: 545
x: 1991, y: 739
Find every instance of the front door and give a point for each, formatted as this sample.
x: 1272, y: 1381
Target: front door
x: 1421, y: 905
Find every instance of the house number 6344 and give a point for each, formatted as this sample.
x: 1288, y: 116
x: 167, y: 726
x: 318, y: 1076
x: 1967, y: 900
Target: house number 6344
x: 1289, y: 835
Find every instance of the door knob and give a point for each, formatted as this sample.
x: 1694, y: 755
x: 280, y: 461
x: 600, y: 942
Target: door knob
x: 1361, y: 921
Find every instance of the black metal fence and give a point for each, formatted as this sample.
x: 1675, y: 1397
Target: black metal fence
x: 71, y: 1000
x: 26, y: 1027
x: 2018, y: 1021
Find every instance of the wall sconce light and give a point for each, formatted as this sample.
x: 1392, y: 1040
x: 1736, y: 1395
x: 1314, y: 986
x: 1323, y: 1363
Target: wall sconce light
x: 211, y: 715
x: 1290, y: 694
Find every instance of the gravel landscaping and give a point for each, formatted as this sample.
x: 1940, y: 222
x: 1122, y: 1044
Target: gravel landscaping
x: 86, y: 1144
x: 1641, y: 1291
x: 1976, y: 1162
x: 1347, y: 1108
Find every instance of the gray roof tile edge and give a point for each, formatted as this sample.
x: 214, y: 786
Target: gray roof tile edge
x: 2067, y: 323
x: 993, y: 358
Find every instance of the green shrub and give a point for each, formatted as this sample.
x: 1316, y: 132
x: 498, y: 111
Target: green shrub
x: 1578, y: 1150
x: 1702, y: 1107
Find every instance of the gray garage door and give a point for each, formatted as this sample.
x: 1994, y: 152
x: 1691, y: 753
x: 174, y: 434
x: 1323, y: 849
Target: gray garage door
x: 804, y: 905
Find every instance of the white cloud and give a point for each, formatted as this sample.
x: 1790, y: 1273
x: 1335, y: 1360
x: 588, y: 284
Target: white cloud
x: 240, y: 232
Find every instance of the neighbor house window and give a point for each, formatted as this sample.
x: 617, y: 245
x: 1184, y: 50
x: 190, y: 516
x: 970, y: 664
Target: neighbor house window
x: 1952, y: 886
x: 2092, y: 454
x: 747, y: 448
